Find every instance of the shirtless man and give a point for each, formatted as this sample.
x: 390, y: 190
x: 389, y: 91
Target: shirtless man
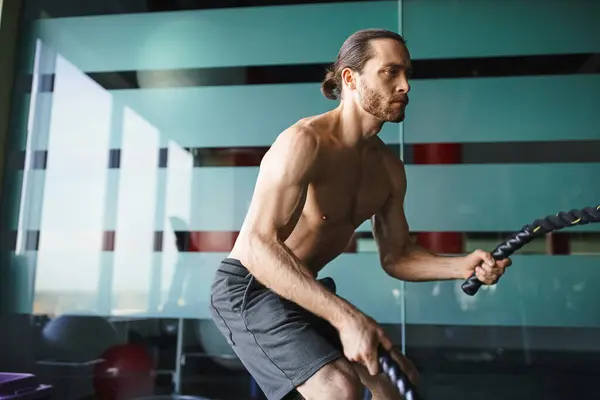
x: 321, y: 179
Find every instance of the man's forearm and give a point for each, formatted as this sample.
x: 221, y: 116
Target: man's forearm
x: 417, y: 264
x: 274, y: 265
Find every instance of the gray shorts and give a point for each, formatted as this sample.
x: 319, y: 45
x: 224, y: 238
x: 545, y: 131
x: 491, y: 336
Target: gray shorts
x: 280, y: 343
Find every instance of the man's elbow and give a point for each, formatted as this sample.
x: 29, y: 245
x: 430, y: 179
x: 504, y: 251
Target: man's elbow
x: 255, y: 240
x: 392, y: 263
x: 251, y: 246
x: 250, y: 238
x: 389, y: 264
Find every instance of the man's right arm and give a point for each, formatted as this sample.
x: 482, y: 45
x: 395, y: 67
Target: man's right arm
x: 279, y: 196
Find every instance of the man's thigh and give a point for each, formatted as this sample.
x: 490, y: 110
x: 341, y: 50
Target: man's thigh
x: 278, y: 342
x: 335, y: 381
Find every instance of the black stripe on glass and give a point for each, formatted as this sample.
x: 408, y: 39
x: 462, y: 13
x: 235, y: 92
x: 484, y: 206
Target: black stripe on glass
x: 557, y: 64
x: 183, y: 239
x: 476, y: 67
x: 582, y: 151
x: 32, y: 240
x: 114, y: 159
x: 53, y: 9
x: 163, y: 158
x: 533, y: 152
x: 39, y: 159
x: 525, y: 65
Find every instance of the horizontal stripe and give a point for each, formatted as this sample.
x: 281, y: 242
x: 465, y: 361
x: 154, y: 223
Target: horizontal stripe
x: 202, y: 242
x: 555, y: 64
x: 535, y: 152
x: 496, y: 197
x: 566, y: 242
x: 233, y: 116
x: 446, y: 38
x: 504, y: 109
x: 485, y: 110
x: 466, y: 28
x: 474, y: 67
x: 230, y: 116
x: 439, y: 198
x: 430, y: 339
x: 583, y: 151
x: 130, y: 7
x: 535, y: 291
x: 226, y: 76
x: 212, y: 38
x: 499, y: 66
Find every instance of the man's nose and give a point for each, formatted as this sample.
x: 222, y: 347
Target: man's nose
x: 403, y: 86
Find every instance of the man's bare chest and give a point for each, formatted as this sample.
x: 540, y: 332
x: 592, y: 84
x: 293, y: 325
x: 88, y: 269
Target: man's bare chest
x: 348, y: 193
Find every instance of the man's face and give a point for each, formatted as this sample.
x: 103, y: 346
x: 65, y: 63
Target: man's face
x: 382, y: 87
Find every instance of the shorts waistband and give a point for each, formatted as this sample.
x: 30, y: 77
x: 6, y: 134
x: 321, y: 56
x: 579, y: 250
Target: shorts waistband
x: 233, y: 266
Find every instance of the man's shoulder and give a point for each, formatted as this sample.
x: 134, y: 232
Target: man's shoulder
x: 293, y: 155
x: 297, y: 144
x: 305, y: 134
x: 394, y: 166
x: 300, y: 136
x: 390, y: 158
x: 320, y: 125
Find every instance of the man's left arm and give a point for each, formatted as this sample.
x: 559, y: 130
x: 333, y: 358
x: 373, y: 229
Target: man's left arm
x: 403, y: 259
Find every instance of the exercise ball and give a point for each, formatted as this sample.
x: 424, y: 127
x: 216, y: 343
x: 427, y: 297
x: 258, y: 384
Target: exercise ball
x: 125, y: 372
x: 215, y: 345
x: 77, y: 338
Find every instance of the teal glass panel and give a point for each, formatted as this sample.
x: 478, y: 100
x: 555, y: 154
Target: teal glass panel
x: 538, y: 290
x: 439, y: 197
x: 531, y: 108
x: 484, y: 28
x: 227, y: 37
x: 223, y: 116
x: 496, y: 197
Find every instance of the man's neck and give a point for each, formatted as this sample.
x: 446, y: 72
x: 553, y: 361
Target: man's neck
x: 356, y: 125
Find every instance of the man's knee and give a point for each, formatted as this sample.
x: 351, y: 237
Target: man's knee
x: 337, y: 380
x: 347, y: 384
x: 379, y: 385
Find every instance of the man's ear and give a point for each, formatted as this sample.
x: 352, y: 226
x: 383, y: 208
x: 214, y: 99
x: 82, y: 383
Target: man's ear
x: 349, y: 78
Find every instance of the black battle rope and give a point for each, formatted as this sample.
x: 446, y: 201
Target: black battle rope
x: 539, y: 227
x: 396, y: 376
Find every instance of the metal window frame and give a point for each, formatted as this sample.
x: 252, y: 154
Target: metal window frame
x: 10, y: 18
x: 10, y: 27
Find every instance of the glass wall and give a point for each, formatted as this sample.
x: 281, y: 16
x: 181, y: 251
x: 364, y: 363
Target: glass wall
x: 137, y: 128
x: 502, y: 129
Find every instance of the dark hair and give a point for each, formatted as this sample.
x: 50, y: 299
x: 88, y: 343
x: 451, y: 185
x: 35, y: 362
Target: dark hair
x: 354, y: 54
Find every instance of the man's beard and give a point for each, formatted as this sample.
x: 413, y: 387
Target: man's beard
x: 375, y: 104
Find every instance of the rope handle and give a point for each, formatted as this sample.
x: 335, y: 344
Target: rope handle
x: 395, y: 374
x: 539, y: 227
